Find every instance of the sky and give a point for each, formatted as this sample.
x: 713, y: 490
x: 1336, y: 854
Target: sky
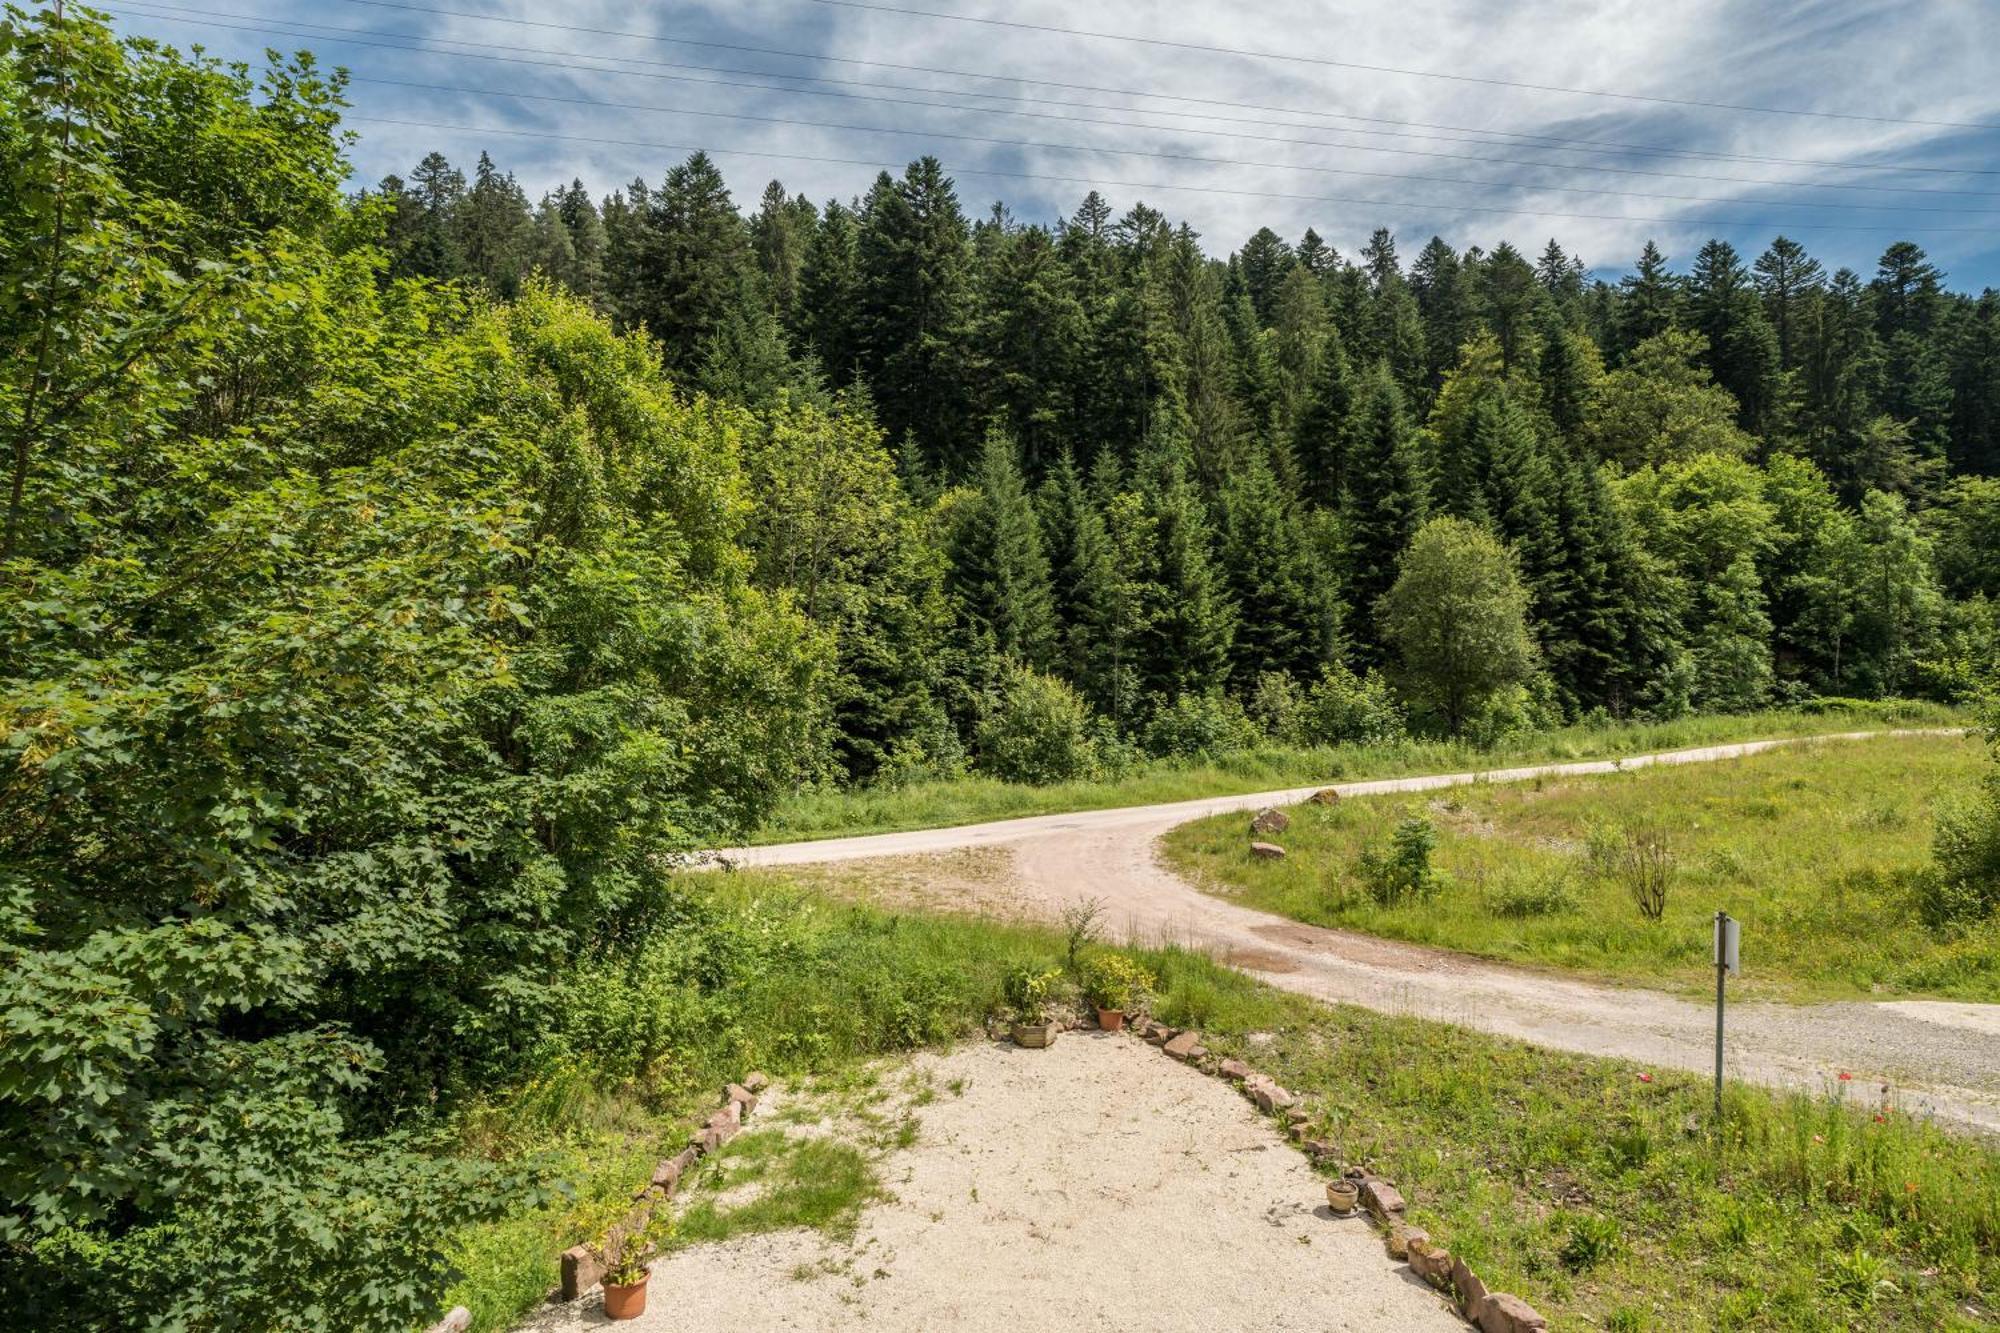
x: 1847, y: 125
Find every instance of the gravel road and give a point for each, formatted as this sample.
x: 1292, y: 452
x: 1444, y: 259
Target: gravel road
x: 1936, y: 1058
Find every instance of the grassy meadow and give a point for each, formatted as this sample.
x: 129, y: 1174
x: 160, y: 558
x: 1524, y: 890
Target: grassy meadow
x: 940, y: 803
x: 1817, y: 849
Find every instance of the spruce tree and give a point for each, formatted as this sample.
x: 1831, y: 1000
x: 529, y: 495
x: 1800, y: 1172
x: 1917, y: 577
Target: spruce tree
x: 1788, y: 279
x: 1648, y: 302
x: 1319, y: 443
x: 915, y: 311
x: 1191, y: 624
x: 1288, y: 617
x: 1382, y: 498
x: 1000, y: 574
x: 829, y: 289
x: 691, y: 262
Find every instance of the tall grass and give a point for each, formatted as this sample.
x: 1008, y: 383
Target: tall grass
x: 830, y: 811
x: 1819, y: 850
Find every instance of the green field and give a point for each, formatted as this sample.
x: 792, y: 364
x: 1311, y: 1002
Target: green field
x: 1606, y: 1200
x: 1817, y: 849
x: 838, y: 812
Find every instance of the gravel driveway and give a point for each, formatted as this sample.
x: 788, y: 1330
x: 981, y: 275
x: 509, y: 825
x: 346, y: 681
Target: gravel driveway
x: 1937, y: 1058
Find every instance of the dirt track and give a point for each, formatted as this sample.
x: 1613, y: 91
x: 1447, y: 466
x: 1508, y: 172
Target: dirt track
x: 1939, y: 1058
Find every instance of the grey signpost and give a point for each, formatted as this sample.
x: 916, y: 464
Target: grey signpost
x: 1725, y: 962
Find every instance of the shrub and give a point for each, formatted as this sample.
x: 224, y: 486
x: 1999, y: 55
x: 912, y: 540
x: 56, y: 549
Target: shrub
x: 1532, y: 895
x: 1404, y: 870
x: 1962, y: 885
x: 1039, y: 730
x: 1274, y: 704
x: 1116, y: 981
x: 1638, y: 857
x: 1342, y: 708
x: 1200, y: 726
x: 1029, y: 991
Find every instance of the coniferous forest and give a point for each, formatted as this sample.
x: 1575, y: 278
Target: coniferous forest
x: 395, y: 583
x: 1181, y: 483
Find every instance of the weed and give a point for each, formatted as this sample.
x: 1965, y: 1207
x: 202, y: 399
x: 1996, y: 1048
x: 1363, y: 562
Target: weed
x: 1589, y: 1241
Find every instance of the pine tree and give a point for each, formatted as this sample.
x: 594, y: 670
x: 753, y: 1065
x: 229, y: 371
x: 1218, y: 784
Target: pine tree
x: 588, y: 243
x: 1287, y: 618
x: 999, y: 572
x: 1975, y: 388
x: 915, y: 310
x: 494, y: 230
x: 1314, y: 255
x: 1438, y: 282
x: 1648, y: 303
x: 1382, y: 498
x: 1099, y: 578
x: 1507, y: 296
x: 1031, y: 342
x: 1788, y: 279
x: 1191, y: 624
x: 1266, y: 259
x: 692, y: 261
x: 1742, y: 349
x: 1319, y: 444
x: 430, y: 248
x: 780, y: 230
x: 829, y: 290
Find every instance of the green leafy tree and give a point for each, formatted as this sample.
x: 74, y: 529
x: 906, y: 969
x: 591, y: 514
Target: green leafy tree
x: 1457, y: 620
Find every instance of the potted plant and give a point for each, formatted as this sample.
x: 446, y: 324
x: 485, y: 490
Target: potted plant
x: 1028, y: 993
x: 1114, y: 984
x: 625, y: 1279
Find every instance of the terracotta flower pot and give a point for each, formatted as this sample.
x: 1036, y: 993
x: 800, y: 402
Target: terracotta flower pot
x: 1341, y: 1196
x: 1111, y: 1020
x: 626, y: 1300
x: 1034, y: 1036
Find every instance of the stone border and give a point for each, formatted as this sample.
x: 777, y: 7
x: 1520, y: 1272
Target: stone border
x: 1489, y: 1311
x: 583, y: 1265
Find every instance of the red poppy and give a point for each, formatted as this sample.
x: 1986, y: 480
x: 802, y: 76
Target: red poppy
x: 1846, y: 1077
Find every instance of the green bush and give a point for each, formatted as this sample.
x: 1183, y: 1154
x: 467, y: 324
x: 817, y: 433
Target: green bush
x: 1962, y: 885
x: 1115, y: 981
x: 1038, y: 731
x: 1404, y: 870
x: 1200, y: 726
x: 1342, y: 708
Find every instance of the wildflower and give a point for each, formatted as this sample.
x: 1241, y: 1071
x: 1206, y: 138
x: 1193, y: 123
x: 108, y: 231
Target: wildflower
x: 1880, y: 1118
x: 1818, y: 1139
x: 1909, y: 1187
x: 1846, y: 1077
x: 1645, y: 1078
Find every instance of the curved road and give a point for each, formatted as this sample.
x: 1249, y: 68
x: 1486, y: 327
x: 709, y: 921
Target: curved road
x: 1938, y: 1058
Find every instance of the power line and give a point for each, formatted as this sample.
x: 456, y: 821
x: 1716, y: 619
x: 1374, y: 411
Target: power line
x: 1328, y: 62
x: 1123, y: 152
x: 1154, y: 185
x: 149, y: 9
x: 1587, y: 145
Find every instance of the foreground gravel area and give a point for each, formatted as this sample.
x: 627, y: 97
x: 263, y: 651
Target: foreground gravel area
x: 1091, y: 1186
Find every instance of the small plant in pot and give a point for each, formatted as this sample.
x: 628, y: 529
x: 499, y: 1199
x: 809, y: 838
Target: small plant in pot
x: 1029, y: 992
x: 626, y: 1277
x: 1114, y: 984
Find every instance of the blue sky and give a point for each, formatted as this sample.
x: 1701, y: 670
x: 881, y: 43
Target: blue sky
x: 1284, y: 143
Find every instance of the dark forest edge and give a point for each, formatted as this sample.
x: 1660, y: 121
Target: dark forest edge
x: 378, y: 621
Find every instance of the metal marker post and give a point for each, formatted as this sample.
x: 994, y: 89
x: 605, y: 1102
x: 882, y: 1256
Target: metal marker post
x: 1726, y: 933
